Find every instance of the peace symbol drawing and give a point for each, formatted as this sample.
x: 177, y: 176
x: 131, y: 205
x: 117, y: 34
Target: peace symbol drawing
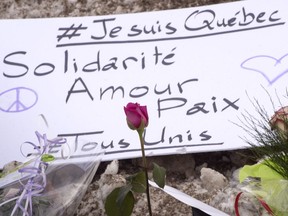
x: 270, y: 67
x: 18, y: 99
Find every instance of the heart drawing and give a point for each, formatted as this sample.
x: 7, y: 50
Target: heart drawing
x: 269, y: 67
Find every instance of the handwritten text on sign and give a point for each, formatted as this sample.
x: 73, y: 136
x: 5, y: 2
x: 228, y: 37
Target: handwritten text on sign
x: 192, y: 67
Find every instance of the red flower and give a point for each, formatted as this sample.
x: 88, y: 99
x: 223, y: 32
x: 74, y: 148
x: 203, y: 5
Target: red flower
x: 136, y: 116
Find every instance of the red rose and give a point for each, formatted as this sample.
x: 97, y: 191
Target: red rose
x: 280, y: 119
x: 136, y: 116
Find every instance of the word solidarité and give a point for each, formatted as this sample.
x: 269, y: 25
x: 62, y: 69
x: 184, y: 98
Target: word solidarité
x: 18, y: 68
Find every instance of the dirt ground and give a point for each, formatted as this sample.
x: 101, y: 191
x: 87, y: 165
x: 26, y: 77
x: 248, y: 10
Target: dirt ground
x: 10, y: 9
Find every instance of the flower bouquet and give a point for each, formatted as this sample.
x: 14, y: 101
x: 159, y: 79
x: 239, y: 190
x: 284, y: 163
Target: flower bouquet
x: 268, y: 179
x: 44, y: 185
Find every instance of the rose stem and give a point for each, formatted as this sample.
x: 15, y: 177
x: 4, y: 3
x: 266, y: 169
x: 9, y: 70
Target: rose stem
x: 140, y: 132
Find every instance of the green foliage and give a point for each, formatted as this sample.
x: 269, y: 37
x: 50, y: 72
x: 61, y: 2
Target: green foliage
x: 47, y: 158
x: 138, y: 182
x: 122, y: 194
x: 120, y: 202
x: 159, y: 174
x: 272, y: 145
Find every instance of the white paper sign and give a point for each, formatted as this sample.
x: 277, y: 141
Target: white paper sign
x: 193, y: 68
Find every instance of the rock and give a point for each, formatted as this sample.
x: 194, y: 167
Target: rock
x: 183, y: 164
x: 198, y: 168
x: 241, y: 157
x: 94, y: 201
x: 235, y: 174
x: 108, y: 181
x: 212, y: 180
x: 112, y: 168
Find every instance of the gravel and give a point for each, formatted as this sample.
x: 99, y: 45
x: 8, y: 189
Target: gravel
x: 11, y: 9
x: 214, y: 182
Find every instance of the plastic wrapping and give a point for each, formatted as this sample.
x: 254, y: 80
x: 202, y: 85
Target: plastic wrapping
x: 64, y: 185
x: 265, y: 184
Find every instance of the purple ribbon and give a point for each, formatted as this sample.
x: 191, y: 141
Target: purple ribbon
x: 36, y: 174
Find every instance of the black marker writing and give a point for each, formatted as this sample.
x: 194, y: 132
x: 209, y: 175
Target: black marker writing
x: 110, y: 31
x: 200, y: 107
x: 70, y: 32
x: 79, y: 87
x: 18, y: 68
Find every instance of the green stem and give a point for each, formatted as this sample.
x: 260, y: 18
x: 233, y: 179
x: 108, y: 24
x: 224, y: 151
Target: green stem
x: 140, y: 132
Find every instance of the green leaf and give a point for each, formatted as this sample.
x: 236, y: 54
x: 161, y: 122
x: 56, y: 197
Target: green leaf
x: 159, y: 174
x: 122, y: 194
x: 47, y: 158
x: 112, y: 206
x: 138, y: 182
